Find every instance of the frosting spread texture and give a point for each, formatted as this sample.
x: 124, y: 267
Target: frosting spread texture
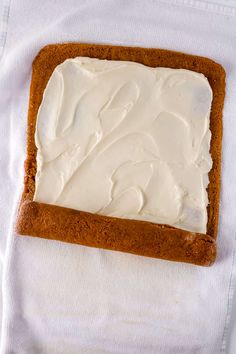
x: 126, y: 140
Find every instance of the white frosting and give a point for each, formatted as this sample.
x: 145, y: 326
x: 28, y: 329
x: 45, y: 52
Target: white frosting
x: 126, y: 140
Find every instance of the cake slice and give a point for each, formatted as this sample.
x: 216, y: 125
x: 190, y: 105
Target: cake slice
x: 56, y: 211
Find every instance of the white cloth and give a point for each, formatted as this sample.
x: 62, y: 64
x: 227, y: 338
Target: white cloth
x: 62, y: 298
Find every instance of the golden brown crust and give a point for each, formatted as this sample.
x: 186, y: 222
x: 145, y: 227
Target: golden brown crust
x: 44, y: 64
x: 133, y: 236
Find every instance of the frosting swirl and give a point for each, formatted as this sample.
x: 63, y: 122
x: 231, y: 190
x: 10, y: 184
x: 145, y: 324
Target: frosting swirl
x: 126, y: 140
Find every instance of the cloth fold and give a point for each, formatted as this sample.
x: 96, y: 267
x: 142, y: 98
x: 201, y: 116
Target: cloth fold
x: 62, y: 298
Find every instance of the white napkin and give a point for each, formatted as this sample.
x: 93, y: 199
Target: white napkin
x: 62, y: 298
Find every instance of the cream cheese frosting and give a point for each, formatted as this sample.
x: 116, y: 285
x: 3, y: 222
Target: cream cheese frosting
x: 122, y: 139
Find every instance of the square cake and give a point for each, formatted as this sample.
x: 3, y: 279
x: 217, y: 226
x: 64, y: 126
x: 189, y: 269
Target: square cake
x: 124, y: 148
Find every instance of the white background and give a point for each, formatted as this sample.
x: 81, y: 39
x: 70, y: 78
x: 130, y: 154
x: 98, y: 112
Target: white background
x: 232, y: 329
